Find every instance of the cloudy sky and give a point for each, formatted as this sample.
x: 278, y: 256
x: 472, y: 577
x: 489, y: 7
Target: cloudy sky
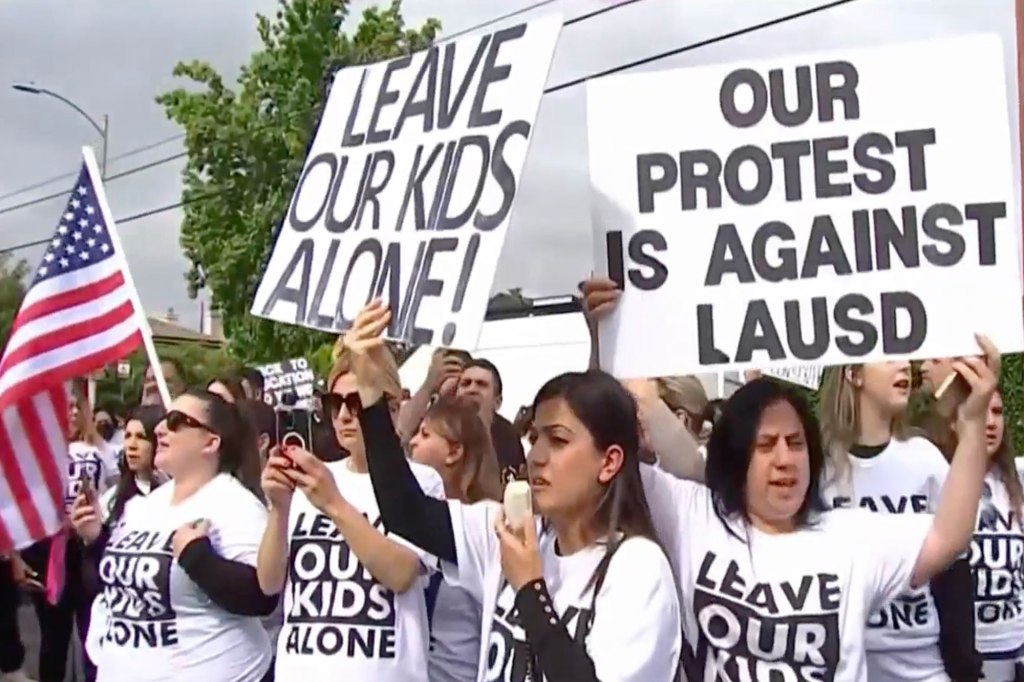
x: 114, y: 56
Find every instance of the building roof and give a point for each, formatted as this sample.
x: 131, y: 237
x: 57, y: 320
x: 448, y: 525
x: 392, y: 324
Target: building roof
x: 170, y: 333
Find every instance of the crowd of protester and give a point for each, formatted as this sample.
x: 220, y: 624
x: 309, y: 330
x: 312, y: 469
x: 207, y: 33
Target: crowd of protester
x: 750, y: 539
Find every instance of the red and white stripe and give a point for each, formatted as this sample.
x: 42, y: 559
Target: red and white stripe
x: 67, y: 326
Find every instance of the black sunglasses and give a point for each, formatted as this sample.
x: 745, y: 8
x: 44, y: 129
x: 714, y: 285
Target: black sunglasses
x: 332, y: 403
x: 176, y: 421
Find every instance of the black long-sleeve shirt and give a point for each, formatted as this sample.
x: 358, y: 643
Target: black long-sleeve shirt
x: 409, y: 512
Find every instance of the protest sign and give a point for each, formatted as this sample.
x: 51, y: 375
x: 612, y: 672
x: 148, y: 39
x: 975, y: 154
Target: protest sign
x: 808, y: 376
x: 291, y: 376
x: 408, y: 188
x: 835, y: 208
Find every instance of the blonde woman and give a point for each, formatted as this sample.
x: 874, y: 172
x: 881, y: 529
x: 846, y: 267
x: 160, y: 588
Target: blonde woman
x: 324, y: 536
x: 874, y: 462
x: 453, y: 441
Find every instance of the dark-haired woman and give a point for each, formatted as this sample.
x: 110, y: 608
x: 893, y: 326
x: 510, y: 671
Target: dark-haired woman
x: 997, y: 556
x: 180, y: 597
x: 227, y: 387
x: 138, y: 475
x: 587, y: 595
x: 454, y: 442
x: 772, y: 584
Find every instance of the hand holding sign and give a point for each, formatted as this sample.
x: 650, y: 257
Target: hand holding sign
x: 982, y: 373
x: 365, y: 341
x: 600, y: 296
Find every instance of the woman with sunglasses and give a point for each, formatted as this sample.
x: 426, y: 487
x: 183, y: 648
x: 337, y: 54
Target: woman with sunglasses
x: 355, y: 604
x: 180, y: 597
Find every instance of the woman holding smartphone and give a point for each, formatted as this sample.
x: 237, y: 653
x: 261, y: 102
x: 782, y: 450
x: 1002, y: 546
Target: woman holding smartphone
x: 585, y: 595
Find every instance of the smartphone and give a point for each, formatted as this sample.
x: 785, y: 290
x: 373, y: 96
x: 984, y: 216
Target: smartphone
x: 518, y: 504
x: 294, y: 426
x: 950, y: 394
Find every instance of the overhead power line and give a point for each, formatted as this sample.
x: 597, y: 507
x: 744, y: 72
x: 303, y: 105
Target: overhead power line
x: 555, y: 88
x: 74, y: 174
x: 159, y: 143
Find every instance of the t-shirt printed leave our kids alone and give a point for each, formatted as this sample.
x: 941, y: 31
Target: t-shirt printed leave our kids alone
x: 339, y: 621
x: 906, y: 477
x: 997, y: 561
x: 632, y: 631
x: 97, y: 464
x: 790, y: 606
x: 151, y: 623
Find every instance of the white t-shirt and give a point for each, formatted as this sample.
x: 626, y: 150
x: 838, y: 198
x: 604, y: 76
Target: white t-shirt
x: 779, y: 607
x: 906, y: 477
x: 107, y: 498
x: 151, y: 623
x: 97, y: 464
x: 339, y: 621
x: 997, y: 560
x: 632, y: 631
x: 454, y: 632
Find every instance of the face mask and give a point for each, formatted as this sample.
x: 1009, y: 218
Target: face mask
x: 106, y: 430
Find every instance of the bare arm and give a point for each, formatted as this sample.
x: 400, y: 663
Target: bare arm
x: 392, y: 565
x: 954, y: 520
x: 958, y: 505
x: 272, y: 559
x: 442, y: 377
x: 677, y: 450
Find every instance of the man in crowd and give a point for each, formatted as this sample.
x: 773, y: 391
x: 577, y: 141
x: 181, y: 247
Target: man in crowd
x: 478, y: 381
x: 480, y: 384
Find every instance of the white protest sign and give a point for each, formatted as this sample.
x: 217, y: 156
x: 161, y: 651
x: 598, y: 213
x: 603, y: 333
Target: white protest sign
x: 808, y: 376
x: 408, y: 188
x: 836, y: 208
x: 291, y: 376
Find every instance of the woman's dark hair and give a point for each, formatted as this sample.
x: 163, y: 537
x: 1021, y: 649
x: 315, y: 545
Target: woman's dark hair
x: 732, y: 444
x: 712, y: 411
x: 149, y: 416
x: 233, y: 384
x: 239, y: 452
x: 609, y: 413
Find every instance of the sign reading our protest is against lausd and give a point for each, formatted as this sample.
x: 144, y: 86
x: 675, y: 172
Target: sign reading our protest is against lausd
x: 408, y: 188
x: 835, y: 208
x: 291, y: 376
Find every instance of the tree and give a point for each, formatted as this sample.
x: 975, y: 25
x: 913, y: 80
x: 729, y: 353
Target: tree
x: 246, y: 147
x: 12, y: 291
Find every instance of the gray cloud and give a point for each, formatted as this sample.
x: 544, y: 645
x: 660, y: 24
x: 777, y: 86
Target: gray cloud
x: 115, y: 56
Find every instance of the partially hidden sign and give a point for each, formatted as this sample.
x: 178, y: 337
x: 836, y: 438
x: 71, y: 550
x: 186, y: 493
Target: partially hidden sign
x: 845, y: 207
x: 408, y: 188
x: 291, y: 376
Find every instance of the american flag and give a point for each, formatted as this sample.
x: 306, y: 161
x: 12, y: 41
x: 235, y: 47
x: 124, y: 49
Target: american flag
x: 77, y: 316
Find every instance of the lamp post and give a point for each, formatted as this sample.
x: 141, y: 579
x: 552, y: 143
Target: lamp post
x: 103, y: 130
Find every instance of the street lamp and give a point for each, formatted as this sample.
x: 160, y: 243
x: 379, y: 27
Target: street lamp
x: 103, y: 130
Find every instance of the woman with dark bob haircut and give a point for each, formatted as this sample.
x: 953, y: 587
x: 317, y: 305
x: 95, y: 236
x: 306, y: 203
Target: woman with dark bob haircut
x: 771, y: 584
x: 585, y: 595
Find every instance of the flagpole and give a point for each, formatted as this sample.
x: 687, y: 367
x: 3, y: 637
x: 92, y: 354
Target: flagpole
x: 115, y: 239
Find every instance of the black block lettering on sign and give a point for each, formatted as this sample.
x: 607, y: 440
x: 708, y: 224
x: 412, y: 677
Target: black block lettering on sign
x: 135, y: 575
x: 763, y: 631
x: 336, y: 606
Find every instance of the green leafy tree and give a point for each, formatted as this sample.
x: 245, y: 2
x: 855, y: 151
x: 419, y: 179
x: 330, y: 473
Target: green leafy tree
x: 246, y: 147
x: 13, y: 275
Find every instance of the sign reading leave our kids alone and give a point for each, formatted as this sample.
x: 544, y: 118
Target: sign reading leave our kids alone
x: 408, y: 188
x: 821, y: 209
